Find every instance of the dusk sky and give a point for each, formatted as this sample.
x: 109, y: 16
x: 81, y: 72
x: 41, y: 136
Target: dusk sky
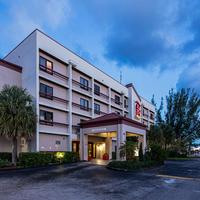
x: 156, y: 44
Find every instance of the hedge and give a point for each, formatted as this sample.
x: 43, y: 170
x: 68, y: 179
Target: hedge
x: 37, y: 159
x: 6, y: 156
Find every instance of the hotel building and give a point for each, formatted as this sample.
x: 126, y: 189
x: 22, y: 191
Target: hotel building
x: 79, y: 107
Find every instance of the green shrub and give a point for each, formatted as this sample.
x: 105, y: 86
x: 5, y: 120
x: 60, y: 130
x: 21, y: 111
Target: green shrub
x: 4, y: 163
x: 141, y: 157
x: 6, y: 156
x: 175, y: 154
x: 36, y: 159
x: 113, y: 155
x: 157, y: 153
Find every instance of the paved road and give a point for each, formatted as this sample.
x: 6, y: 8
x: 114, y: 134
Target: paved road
x: 176, y: 180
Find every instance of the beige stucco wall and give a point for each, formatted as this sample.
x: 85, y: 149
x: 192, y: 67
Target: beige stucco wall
x: 58, y: 116
x: 48, y: 142
x: 9, y: 77
x: 57, y: 66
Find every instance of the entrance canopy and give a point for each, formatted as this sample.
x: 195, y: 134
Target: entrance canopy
x: 111, y: 125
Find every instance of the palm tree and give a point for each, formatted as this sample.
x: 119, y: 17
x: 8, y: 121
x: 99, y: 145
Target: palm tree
x: 17, y: 116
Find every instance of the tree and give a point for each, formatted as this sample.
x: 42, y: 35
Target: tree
x: 141, y: 156
x: 179, y: 125
x: 17, y: 116
x: 128, y: 150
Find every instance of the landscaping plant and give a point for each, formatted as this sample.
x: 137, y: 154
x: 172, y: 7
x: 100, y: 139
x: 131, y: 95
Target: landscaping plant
x: 17, y: 116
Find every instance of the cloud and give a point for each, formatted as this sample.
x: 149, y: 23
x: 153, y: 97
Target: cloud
x: 144, y: 34
x: 25, y: 16
x: 189, y: 78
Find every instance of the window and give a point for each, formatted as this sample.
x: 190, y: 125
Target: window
x: 46, y: 117
x: 46, y: 65
x: 96, y: 89
x: 97, y: 108
x: 117, y: 99
x: 46, y: 91
x: 151, y: 115
x: 125, y: 103
x: 58, y: 142
x: 84, y: 104
x: 84, y: 83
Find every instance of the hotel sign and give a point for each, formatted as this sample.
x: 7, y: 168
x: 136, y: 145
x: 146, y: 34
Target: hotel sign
x: 137, y: 110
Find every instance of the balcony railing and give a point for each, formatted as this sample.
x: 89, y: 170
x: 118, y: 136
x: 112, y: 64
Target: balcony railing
x: 82, y: 86
x: 116, y: 102
x: 51, y: 97
x: 54, y: 73
x: 51, y: 123
x: 99, y: 112
x: 106, y: 97
x: 81, y: 107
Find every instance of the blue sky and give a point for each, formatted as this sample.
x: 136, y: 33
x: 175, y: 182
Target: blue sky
x: 155, y: 43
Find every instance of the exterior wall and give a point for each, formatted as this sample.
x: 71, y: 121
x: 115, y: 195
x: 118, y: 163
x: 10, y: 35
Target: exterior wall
x: 60, y: 121
x: 9, y: 77
x: 148, y: 112
x: 26, y: 55
x: 72, y: 67
x: 48, y: 142
x: 60, y: 99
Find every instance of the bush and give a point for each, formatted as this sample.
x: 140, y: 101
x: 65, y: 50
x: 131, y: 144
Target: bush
x: 36, y: 159
x: 141, y: 157
x: 175, y: 154
x: 4, y: 163
x: 157, y: 153
x: 131, y: 164
x: 6, y: 156
x: 113, y: 155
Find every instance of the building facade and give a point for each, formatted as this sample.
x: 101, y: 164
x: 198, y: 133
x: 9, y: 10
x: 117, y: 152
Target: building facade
x: 67, y: 91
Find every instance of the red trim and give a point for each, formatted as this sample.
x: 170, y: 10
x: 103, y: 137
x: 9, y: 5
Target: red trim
x: 11, y: 66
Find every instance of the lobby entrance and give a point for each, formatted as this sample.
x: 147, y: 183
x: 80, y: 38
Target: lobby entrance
x: 102, y: 137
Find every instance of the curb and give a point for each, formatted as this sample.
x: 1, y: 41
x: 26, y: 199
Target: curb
x: 66, y: 167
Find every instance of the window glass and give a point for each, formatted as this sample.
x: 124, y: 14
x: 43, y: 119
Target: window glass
x: 42, y: 115
x: 45, y: 115
x: 84, y: 104
x: 46, y: 64
x: 117, y: 99
x: 49, y: 116
x: 46, y: 91
x: 49, y: 65
x: 42, y: 61
x: 96, y: 89
x: 58, y: 142
x: 97, y: 108
x: 42, y: 88
x: 84, y: 83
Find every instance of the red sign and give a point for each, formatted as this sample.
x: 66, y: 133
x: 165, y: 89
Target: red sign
x: 137, y: 109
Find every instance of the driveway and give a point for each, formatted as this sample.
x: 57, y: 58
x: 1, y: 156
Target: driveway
x: 175, y: 180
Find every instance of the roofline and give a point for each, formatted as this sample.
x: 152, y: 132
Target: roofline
x: 147, y: 101
x: 10, y: 65
x: 117, y: 120
x: 66, y: 49
x: 131, y: 85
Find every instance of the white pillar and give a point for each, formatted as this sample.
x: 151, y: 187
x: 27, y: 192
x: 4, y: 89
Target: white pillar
x: 118, y: 142
x: 92, y: 93
x: 109, y: 100
x: 123, y: 105
x: 69, y: 143
x: 83, y: 145
x: 109, y: 146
